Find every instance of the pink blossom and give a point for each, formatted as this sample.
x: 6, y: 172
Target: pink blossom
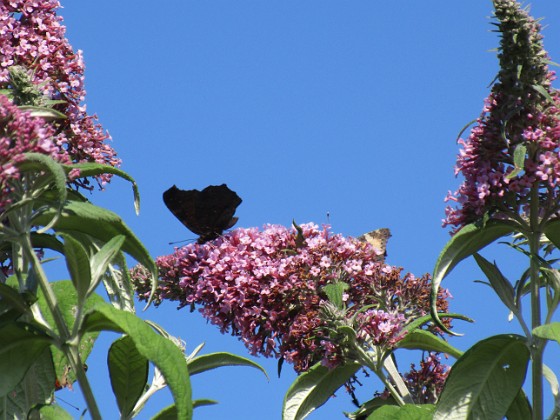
x: 515, y: 113
x: 266, y: 289
x: 32, y: 36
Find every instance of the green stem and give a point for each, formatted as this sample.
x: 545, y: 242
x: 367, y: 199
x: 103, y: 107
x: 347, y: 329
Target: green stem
x: 69, y: 347
x: 536, y: 343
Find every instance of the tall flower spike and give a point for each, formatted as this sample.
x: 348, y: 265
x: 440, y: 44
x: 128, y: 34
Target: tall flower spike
x: 516, y: 140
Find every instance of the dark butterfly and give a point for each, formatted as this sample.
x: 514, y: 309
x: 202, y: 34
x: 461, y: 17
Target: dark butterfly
x: 207, y: 213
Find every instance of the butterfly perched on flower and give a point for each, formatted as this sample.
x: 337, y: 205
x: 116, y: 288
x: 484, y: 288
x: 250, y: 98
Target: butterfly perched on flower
x: 378, y: 239
x: 207, y: 213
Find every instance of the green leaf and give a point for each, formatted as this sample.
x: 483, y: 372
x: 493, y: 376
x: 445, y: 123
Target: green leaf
x: 36, y: 388
x: 45, y: 240
x: 39, y: 162
x: 406, y: 412
x: 67, y: 298
x: 93, y: 169
x: 425, y: 340
x: 549, y: 331
x: 369, y: 407
x: 168, y: 413
x: 128, y: 370
x: 552, y: 380
x: 499, y: 283
x: 102, y: 225
x: 159, y: 350
x: 13, y: 298
x: 469, y: 240
x: 540, y: 89
x: 51, y: 412
x: 518, y: 160
x: 552, y: 232
x: 335, y: 292
x: 520, y: 409
x: 78, y: 265
x: 485, y: 381
x: 215, y: 360
x: 203, y: 402
x: 20, y: 345
x: 313, y: 388
x: 103, y: 258
x: 43, y: 112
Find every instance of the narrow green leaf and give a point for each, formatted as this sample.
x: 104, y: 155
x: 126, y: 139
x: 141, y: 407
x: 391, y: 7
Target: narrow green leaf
x: 313, y: 388
x: 20, y: 345
x: 128, y: 371
x: 78, y: 265
x: 518, y: 160
x: 45, y: 240
x: 43, y: 112
x: 540, y: 89
x: 159, y: 350
x: 335, y: 293
x: 520, y: 408
x: 103, y: 258
x: 406, y: 412
x: 170, y: 412
x: 485, y: 381
x: 549, y: 331
x: 203, y: 402
x: 51, y: 412
x: 469, y: 240
x: 39, y: 162
x: 552, y: 380
x: 425, y: 340
x: 552, y: 232
x: 499, y: 283
x: 103, y: 225
x: 93, y: 169
x: 67, y: 298
x: 215, y: 360
x: 369, y: 407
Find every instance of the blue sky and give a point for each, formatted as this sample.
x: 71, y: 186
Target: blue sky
x: 302, y: 108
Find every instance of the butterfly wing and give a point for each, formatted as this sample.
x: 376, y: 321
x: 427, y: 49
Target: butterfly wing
x: 378, y: 239
x: 207, y: 213
x: 182, y: 203
x: 215, y: 209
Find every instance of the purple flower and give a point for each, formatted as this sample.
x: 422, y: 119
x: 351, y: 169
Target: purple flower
x: 426, y: 383
x: 521, y: 114
x: 32, y: 36
x: 266, y: 289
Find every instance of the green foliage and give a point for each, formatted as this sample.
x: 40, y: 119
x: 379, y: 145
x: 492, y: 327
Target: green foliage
x: 313, y: 388
x: 486, y: 379
x: 128, y: 370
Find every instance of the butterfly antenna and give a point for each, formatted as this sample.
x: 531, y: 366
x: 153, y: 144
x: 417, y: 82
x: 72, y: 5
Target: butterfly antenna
x: 179, y: 242
x: 66, y: 402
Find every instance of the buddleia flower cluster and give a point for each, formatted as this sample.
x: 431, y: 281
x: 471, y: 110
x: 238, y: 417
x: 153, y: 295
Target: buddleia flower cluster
x: 38, y: 68
x: 269, y: 288
x: 513, y: 149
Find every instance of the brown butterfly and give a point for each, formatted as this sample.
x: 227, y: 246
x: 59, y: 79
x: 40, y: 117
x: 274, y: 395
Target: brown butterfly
x: 378, y: 239
x: 207, y: 213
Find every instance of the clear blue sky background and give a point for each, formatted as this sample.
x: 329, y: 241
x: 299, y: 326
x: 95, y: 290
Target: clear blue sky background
x: 303, y: 108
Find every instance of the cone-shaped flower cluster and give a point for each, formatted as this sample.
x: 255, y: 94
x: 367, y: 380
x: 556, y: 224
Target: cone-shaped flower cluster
x: 514, y: 146
x: 33, y: 38
x: 267, y: 288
